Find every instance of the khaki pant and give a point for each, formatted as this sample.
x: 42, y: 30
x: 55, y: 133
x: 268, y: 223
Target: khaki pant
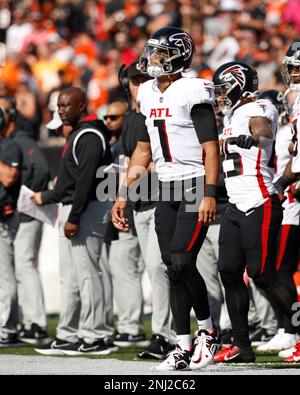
x: 127, y: 269
x: 157, y: 271
x: 8, y: 283
x: 82, y: 291
x: 30, y: 291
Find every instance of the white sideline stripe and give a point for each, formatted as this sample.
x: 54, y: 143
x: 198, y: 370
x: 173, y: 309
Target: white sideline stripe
x: 37, y: 365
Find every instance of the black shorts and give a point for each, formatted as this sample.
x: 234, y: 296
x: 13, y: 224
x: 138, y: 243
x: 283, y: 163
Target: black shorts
x: 288, y: 251
x: 250, y: 239
x: 177, y: 228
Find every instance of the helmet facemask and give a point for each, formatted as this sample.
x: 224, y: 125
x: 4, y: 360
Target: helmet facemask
x: 224, y: 103
x: 291, y: 71
x: 157, y: 60
x: 283, y: 110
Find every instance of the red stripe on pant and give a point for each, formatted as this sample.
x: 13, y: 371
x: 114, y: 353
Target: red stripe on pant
x: 265, y: 230
x: 195, y: 237
x: 285, y: 232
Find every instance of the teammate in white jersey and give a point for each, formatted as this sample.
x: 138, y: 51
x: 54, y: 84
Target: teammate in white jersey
x: 249, y: 229
x: 289, y: 240
x: 182, y: 132
x: 291, y: 74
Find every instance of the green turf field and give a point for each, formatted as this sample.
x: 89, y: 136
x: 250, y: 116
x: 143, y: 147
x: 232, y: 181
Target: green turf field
x: 130, y: 353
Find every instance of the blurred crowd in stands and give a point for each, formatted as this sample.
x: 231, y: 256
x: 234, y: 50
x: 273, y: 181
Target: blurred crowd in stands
x: 50, y: 45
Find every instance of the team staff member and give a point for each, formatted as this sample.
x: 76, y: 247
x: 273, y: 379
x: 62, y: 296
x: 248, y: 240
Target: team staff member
x: 114, y: 119
x: 124, y: 256
x: 182, y: 130
x: 35, y: 175
x: 10, y: 170
x: 82, y: 220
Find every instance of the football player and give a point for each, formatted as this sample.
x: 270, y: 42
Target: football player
x: 291, y: 74
x: 181, y: 133
x: 289, y: 240
x: 250, y: 226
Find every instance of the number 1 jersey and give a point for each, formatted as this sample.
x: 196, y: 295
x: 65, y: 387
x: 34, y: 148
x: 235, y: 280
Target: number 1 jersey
x: 176, y: 150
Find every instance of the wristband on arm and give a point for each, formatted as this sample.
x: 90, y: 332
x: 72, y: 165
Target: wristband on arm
x: 210, y: 190
x: 283, y: 183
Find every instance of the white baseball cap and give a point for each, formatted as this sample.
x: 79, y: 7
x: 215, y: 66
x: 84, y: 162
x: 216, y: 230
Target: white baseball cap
x: 55, y: 123
x: 230, y: 5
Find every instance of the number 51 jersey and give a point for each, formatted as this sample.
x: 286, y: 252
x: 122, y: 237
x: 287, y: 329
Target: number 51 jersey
x: 176, y: 150
x: 249, y: 173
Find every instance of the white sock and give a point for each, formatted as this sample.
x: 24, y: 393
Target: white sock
x: 185, y: 342
x: 206, y: 325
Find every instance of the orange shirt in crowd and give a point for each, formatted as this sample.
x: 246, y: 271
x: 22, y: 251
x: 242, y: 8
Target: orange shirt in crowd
x: 97, y: 92
x: 10, y: 74
x: 86, y: 46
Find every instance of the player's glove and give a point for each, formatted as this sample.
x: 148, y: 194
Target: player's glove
x: 243, y: 141
x: 295, y: 192
x: 282, y: 184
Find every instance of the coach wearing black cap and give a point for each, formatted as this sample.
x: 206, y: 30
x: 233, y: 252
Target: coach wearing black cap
x: 10, y: 170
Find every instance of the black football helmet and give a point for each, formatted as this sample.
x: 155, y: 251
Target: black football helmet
x: 169, y: 51
x: 291, y: 67
x: 278, y: 100
x: 233, y: 82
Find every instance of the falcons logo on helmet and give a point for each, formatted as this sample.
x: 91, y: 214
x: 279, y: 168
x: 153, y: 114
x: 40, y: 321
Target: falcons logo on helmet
x: 236, y: 73
x: 183, y: 40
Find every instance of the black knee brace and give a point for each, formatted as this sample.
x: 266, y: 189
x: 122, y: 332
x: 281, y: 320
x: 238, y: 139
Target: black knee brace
x: 230, y: 279
x: 182, y: 264
x: 173, y: 276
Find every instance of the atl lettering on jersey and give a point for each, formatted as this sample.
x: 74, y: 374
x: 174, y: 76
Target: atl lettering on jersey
x: 176, y: 150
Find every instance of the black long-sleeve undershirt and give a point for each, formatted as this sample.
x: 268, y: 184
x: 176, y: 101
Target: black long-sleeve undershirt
x: 204, y: 121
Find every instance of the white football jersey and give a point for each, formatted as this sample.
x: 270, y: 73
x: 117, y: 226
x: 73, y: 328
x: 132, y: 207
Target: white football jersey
x: 296, y: 135
x: 249, y: 173
x: 284, y: 139
x: 176, y: 150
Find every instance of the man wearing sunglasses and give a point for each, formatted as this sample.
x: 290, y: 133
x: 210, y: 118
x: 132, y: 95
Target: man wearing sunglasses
x: 110, y: 119
x: 123, y: 251
x: 114, y: 120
